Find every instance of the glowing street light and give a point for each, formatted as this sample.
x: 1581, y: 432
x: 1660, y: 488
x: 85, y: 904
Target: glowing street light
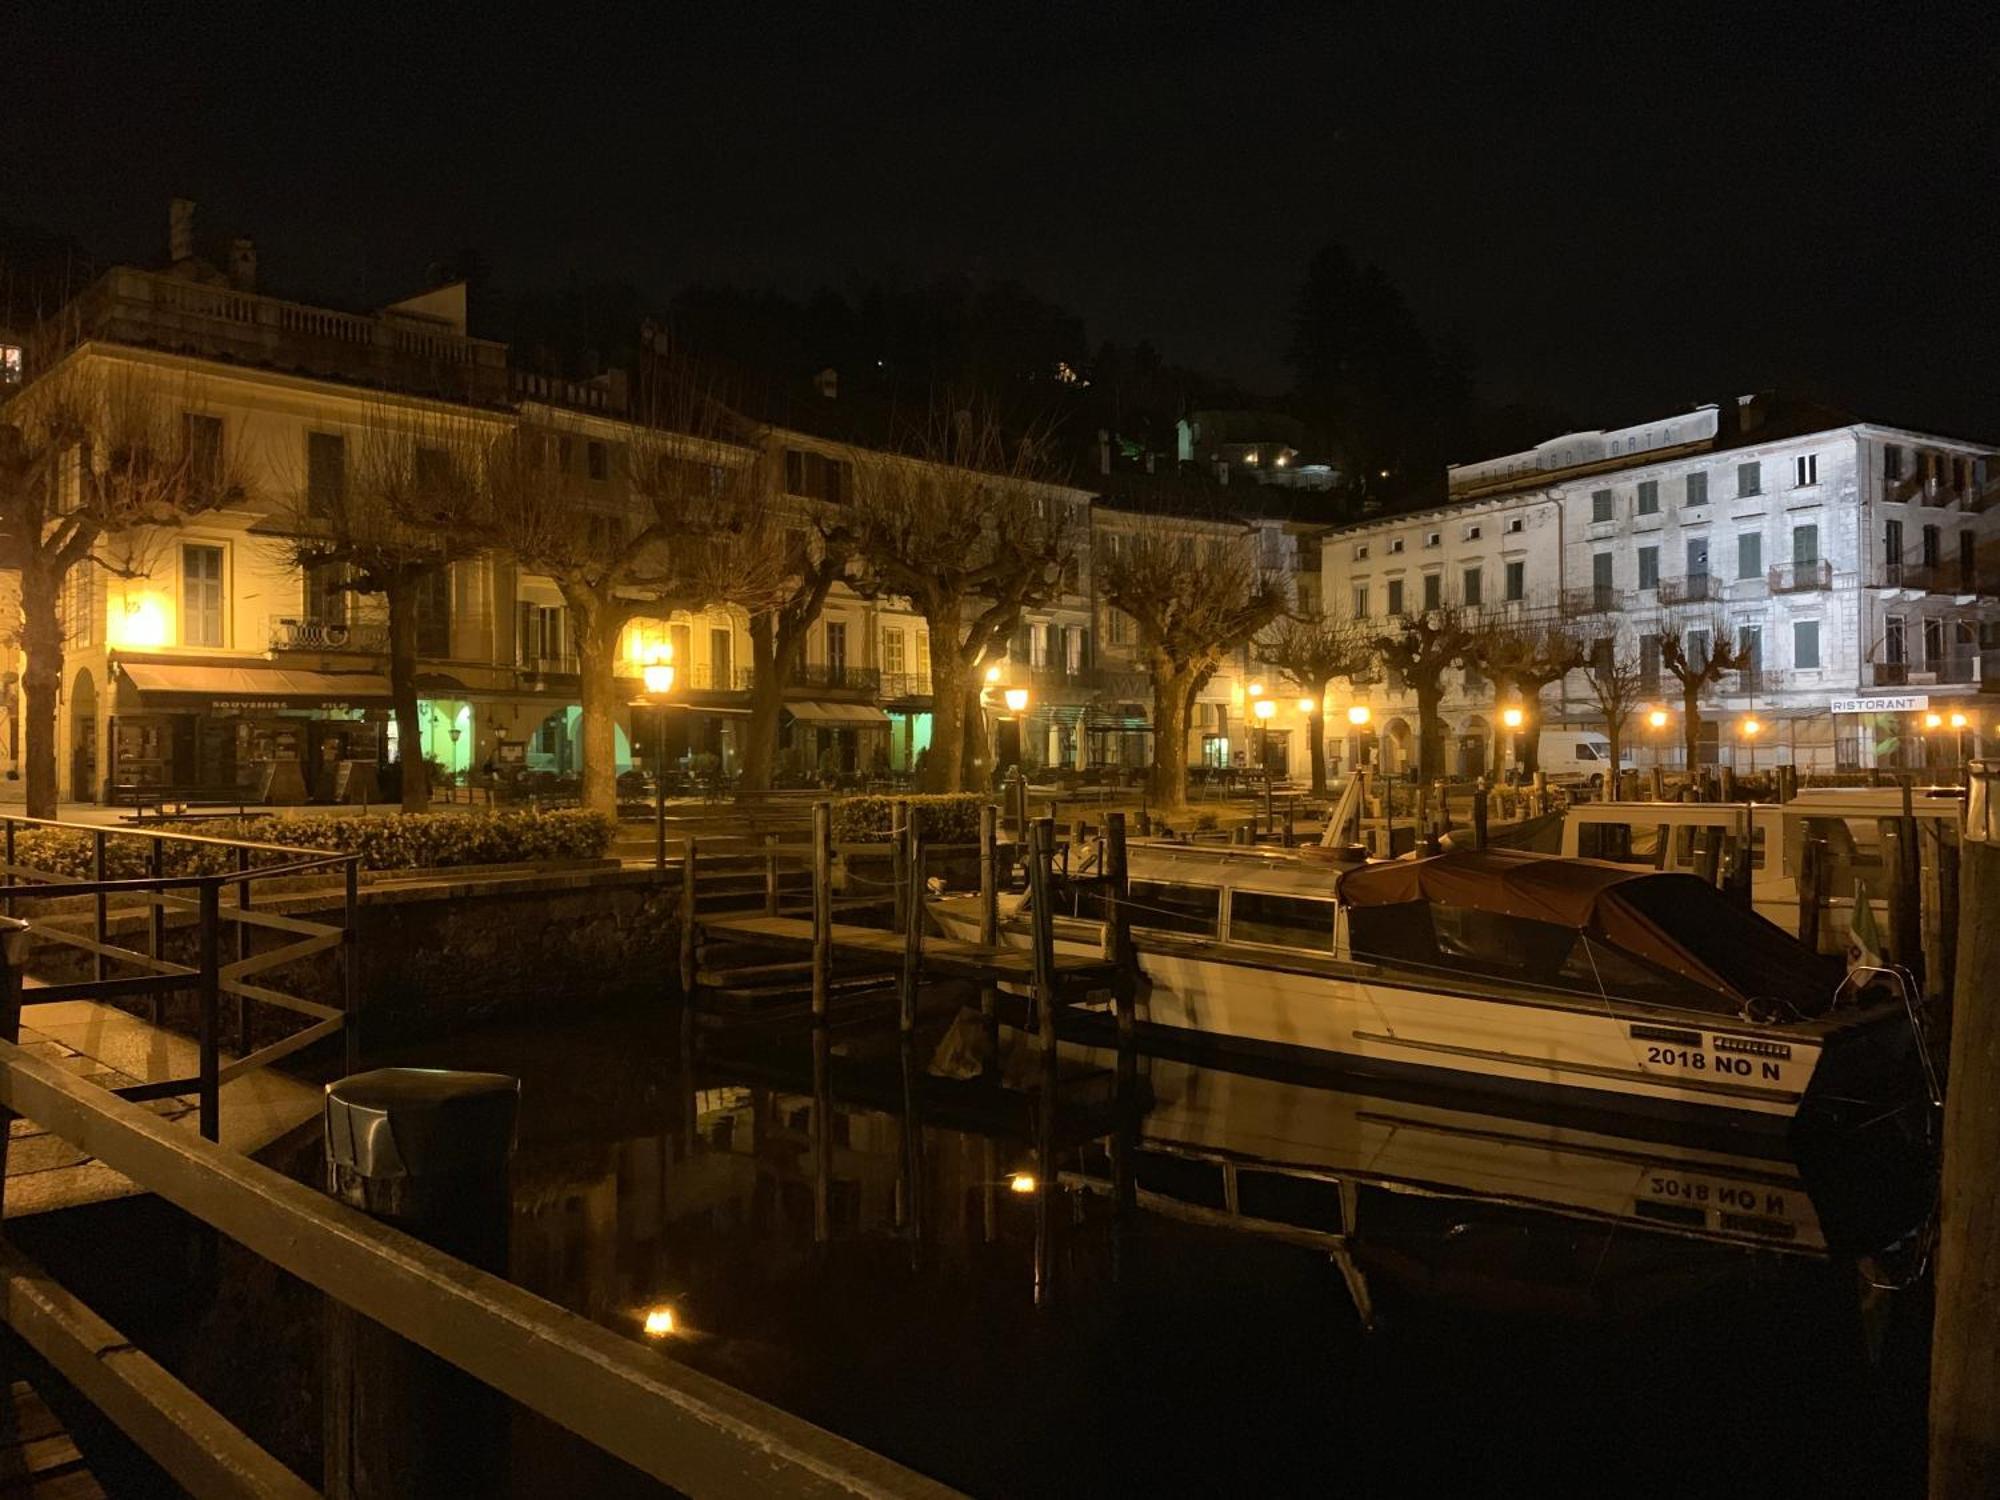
x: 1513, y: 718
x: 1016, y: 699
x: 1022, y: 1183
x: 1307, y: 706
x: 1958, y: 721
x: 993, y: 673
x: 1657, y: 719
x: 1751, y: 728
x: 1933, y: 721
x: 660, y: 1322
x: 658, y: 675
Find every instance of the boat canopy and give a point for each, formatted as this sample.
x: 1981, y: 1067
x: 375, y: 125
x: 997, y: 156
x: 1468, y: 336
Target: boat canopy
x: 1679, y: 924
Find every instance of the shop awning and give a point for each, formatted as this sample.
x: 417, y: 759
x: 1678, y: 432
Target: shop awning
x: 836, y: 713
x: 241, y: 689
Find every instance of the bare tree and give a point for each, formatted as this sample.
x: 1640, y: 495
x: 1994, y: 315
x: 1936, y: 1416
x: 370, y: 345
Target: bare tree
x: 778, y: 633
x: 1617, y: 688
x: 962, y: 523
x: 360, y: 521
x: 90, y: 457
x: 1418, y: 647
x: 1697, y: 653
x: 1310, y: 652
x: 677, y: 521
x: 1194, y: 597
x: 1524, y: 658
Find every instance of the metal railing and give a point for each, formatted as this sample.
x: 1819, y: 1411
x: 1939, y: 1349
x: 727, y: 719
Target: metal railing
x: 220, y: 867
x: 547, y: 662
x: 1592, y: 599
x: 837, y: 677
x: 1692, y: 588
x: 291, y: 634
x: 906, y: 685
x: 1801, y: 577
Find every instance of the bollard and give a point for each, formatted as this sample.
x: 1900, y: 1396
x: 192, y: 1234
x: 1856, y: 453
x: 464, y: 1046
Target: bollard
x: 1479, y: 796
x: 427, y: 1150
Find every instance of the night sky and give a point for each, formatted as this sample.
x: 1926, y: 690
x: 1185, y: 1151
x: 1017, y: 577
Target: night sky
x: 1622, y: 210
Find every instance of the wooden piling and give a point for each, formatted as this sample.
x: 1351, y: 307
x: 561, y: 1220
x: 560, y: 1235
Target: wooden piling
x: 822, y: 908
x: 989, y: 919
x: 688, y: 976
x: 1813, y: 876
x: 770, y: 874
x: 1658, y: 784
x: 899, y: 860
x: 1118, y: 925
x: 911, y: 900
x: 1906, y: 937
x: 1479, y: 811
x: 1041, y: 841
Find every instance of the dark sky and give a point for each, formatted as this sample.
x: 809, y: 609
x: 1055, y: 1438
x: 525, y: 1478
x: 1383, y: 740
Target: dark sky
x: 1622, y: 208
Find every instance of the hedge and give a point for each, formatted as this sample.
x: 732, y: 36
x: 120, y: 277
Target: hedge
x: 387, y: 841
x: 949, y: 818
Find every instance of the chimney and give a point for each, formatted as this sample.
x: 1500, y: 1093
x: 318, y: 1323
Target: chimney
x: 828, y: 382
x: 1103, y: 451
x: 180, y: 230
x: 1728, y: 422
x: 243, y: 264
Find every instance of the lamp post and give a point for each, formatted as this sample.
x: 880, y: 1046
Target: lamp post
x: 1513, y: 718
x: 1751, y: 729
x: 1959, y: 722
x: 658, y: 674
x: 1264, y: 708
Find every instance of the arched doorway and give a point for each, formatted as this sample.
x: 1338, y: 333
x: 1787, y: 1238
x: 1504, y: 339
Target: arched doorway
x: 1397, y: 743
x: 83, y: 738
x: 1475, y: 739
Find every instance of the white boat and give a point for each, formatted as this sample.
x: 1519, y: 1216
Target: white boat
x: 1625, y: 988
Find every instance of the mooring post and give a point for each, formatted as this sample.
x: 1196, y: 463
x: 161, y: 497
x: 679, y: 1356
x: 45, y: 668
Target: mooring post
x: 428, y: 1151
x: 899, y: 860
x: 822, y: 908
x: 242, y: 946
x: 350, y: 962
x: 1041, y: 841
x: 13, y: 936
x: 209, y: 995
x: 1948, y: 863
x: 1813, y: 874
x: 989, y: 927
x: 912, y: 904
x: 770, y: 874
x: 1965, y: 1336
x: 97, y: 874
x: 1118, y: 926
x: 1656, y: 784
x: 1479, y: 810
x: 1906, y: 938
x: 1541, y: 787
x: 687, y: 924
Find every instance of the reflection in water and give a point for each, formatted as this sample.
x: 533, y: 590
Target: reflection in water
x: 1246, y: 1282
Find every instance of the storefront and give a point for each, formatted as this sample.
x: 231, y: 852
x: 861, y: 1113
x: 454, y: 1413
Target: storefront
x: 843, y: 739
x: 259, y: 732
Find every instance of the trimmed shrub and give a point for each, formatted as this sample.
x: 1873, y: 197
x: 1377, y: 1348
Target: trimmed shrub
x: 949, y: 818
x: 388, y: 841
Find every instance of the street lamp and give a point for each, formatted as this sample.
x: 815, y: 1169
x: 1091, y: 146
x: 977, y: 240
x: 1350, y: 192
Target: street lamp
x: 658, y: 675
x: 1016, y: 699
x: 1751, y: 729
x: 1357, y: 718
x: 1513, y: 718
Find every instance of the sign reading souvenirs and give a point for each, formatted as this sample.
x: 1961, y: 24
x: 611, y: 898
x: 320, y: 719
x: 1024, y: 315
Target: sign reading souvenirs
x: 1899, y: 703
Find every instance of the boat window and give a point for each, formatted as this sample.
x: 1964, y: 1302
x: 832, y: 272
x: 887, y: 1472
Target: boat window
x: 1285, y: 921
x: 1176, y: 908
x: 1490, y: 942
x: 1596, y: 968
x: 1280, y: 1198
x: 1182, y: 1178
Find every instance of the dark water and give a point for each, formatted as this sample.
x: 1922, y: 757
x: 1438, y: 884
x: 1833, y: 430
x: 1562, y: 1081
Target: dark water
x: 1319, y: 1290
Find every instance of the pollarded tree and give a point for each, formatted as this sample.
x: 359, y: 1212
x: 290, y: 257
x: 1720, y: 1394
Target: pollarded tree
x: 779, y: 630
x: 1698, y: 653
x: 1417, y: 648
x: 1194, y: 597
x: 966, y: 523
x: 90, y: 454
x: 358, y: 520
x: 1616, y: 687
x: 1310, y: 652
x: 1524, y: 658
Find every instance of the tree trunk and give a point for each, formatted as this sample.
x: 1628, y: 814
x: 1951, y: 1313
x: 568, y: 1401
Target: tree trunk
x: 597, y: 631
x: 1614, y: 737
x: 1430, y: 729
x: 1965, y: 1339
x: 943, y: 770
x: 1528, y: 743
x: 767, y: 702
x: 1691, y: 726
x: 415, y: 773
x: 1168, y: 788
x: 41, y: 688
x: 977, y: 758
x: 1316, y: 741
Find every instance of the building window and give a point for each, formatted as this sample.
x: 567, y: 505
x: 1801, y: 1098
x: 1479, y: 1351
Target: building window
x: 204, y: 452
x: 1649, y: 497
x: 1697, y: 488
x: 1600, y: 577
x: 326, y: 593
x: 1433, y: 590
x: 1361, y: 552
x: 1360, y: 601
x: 597, y: 458
x: 1697, y: 556
x: 326, y: 472
x: 1968, y: 566
x: 201, y: 596
x: 1433, y: 538
x: 1933, y: 539
x: 10, y: 364
x: 1472, y: 588
x: 1805, y: 546
x: 1514, y: 524
x: 892, y: 652
x: 1895, y: 648
x: 1395, y: 544
x: 1121, y: 630
x: 1517, y: 581
x: 1892, y: 550
x: 1472, y: 533
x: 1395, y: 596
x: 815, y: 476
x: 1038, y: 643
x: 1749, y: 554
x: 1805, y: 469
x: 1600, y: 505
x: 1649, y: 567
x: 1805, y: 645
x: 1749, y: 479
x: 1892, y: 461
x: 79, y: 604
x: 1933, y: 644
x: 1649, y: 664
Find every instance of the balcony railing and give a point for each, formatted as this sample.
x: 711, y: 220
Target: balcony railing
x: 289, y: 634
x: 1694, y: 588
x: 1801, y: 577
x: 1596, y: 599
x: 547, y: 662
x: 897, y: 685
x: 708, y: 677
x: 1932, y: 578
x: 837, y: 677
x: 379, y: 349
x: 1889, y: 673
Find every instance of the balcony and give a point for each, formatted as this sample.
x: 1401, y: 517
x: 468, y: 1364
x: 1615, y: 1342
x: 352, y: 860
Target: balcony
x: 548, y: 663
x: 392, y: 352
x: 837, y: 677
x: 1597, y: 599
x: 1695, y: 588
x: 1889, y: 673
x: 708, y: 677
x: 1932, y: 578
x: 328, y: 635
x: 901, y: 685
x: 1801, y: 577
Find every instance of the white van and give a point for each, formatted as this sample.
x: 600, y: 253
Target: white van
x: 1579, y: 755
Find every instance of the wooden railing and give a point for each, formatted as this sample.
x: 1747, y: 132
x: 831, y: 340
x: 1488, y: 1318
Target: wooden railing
x: 682, y: 1428
x: 56, y: 915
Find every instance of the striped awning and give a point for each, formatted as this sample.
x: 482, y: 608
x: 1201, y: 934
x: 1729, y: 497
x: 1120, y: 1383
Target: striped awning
x: 246, y: 689
x: 810, y: 712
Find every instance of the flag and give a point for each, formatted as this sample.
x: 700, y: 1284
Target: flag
x: 1864, y: 941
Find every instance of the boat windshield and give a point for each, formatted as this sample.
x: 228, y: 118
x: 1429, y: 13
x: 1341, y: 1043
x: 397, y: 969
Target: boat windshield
x: 1753, y: 956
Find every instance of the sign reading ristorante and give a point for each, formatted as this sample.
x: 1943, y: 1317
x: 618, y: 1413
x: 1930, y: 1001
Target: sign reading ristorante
x: 1899, y: 703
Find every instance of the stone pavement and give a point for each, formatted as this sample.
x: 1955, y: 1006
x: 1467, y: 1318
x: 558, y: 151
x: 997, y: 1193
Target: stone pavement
x: 106, y: 1045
